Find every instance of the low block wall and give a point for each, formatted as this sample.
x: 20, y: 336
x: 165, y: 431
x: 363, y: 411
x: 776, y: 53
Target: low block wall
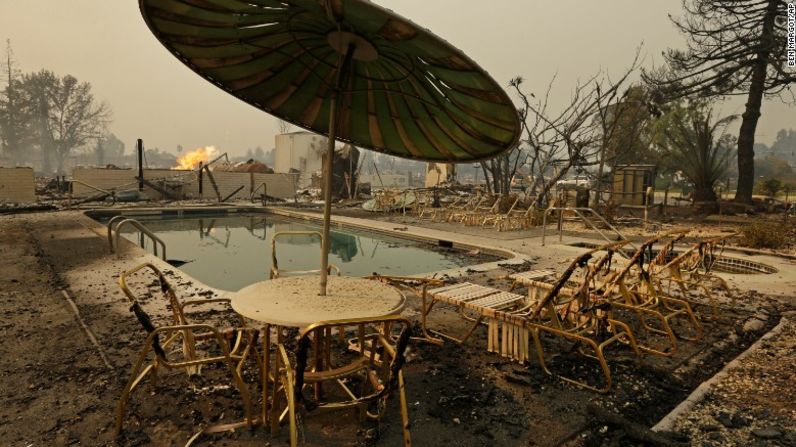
x: 278, y: 185
x: 17, y: 185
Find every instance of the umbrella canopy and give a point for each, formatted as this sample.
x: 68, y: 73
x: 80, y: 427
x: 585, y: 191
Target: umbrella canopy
x: 345, y: 68
x: 408, y: 93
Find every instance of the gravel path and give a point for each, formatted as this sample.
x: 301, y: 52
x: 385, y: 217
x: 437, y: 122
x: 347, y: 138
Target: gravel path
x: 755, y: 403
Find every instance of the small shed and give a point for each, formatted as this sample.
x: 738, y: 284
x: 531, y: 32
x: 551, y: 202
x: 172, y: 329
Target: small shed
x: 630, y: 183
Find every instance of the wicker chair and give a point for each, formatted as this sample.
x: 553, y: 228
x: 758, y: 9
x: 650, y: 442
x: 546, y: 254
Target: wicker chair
x: 161, y: 350
x: 362, y: 381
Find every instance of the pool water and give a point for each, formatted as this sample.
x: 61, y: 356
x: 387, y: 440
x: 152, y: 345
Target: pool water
x: 231, y: 252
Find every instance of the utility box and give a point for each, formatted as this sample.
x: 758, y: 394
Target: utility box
x: 630, y: 183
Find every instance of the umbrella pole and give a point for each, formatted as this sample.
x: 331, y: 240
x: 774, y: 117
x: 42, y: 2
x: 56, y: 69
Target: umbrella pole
x: 334, y: 109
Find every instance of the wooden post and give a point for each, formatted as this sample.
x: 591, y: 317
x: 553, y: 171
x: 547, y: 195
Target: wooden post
x: 213, y: 183
x: 201, y: 180
x: 140, y: 147
x: 328, y: 169
x: 233, y: 193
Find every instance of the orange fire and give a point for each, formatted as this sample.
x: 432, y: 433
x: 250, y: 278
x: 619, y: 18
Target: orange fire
x: 192, y: 159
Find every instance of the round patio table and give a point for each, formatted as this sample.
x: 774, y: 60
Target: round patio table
x: 295, y: 302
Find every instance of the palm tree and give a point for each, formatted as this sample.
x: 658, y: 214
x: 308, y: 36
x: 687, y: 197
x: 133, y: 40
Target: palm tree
x: 691, y: 142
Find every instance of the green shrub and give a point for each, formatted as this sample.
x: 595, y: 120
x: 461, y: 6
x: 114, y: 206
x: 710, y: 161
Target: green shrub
x: 770, y: 187
x: 764, y: 235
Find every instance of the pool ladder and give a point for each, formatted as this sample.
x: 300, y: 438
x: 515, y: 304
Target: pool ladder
x: 581, y: 212
x: 117, y: 222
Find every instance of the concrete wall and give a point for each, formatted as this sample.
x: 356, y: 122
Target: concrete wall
x: 278, y: 185
x: 17, y: 185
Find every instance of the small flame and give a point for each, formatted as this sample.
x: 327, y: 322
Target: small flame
x: 192, y: 159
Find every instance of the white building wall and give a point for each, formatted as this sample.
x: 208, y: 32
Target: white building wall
x: 302, y: 151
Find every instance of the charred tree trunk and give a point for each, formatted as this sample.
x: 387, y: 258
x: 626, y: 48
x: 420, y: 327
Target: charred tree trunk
x: 750, y: 117
x: 495, y: 164
x: 704, y: 193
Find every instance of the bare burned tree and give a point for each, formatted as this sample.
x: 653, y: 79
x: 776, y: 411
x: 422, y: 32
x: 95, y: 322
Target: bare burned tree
x: 539, y: 139
x: 501, y: 170
x: 575, y: 136
x: 735, y: 47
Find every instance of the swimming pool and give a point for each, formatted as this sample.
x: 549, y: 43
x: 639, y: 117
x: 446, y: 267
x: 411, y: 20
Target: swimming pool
x: 232, y: 251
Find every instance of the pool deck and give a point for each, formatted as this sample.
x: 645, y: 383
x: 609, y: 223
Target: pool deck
x: 74, y: 251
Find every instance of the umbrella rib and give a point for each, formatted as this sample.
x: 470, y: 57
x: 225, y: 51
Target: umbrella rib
x: 294, y: 59
x: 391, y: 118
x: 463, y: 126
x: 206, y: 4
x: 486, y: 119
x: 466, y: 109
x: 220, y: 10
x: 402, y: 133
x: 344, y: 119
x: 376, y: 136
x: 278, y: 100
x: 423, y: 129
x: 239, y: 59
x: 313, y: 109
x: 256, y: 79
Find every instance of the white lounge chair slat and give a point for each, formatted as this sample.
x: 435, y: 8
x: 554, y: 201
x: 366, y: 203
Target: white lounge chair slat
x: 446, y: 288
x: 531, y: 275
x: 466, y: 293
x: 498, y: 300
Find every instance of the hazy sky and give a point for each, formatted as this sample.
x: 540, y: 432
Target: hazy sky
x: 155, y: 97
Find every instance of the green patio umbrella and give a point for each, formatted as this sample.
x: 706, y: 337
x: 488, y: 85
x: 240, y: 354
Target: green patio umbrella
x: 348, y: 69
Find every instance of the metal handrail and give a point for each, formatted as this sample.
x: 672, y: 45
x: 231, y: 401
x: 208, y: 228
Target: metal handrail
x: 588, y: 222
x: 114, y: 242
x: 104, y: 191
x: 264, y: 186
x: 110, y: 223
x: 110, y: 192
x: 275, y: 264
